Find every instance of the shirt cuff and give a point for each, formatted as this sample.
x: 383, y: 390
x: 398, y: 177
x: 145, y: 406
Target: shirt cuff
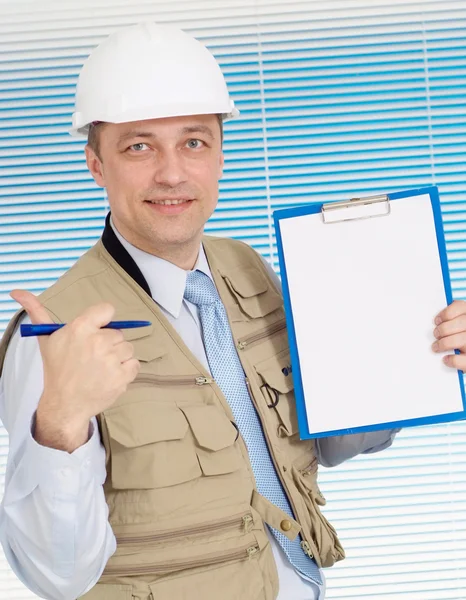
x: 57, y: 471
x: 379, y: 445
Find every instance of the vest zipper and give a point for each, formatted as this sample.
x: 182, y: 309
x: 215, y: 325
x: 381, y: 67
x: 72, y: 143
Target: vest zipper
x: 169, y: 381
x: 208, y: 560
x: 250, y: 340
x: 243, y: 521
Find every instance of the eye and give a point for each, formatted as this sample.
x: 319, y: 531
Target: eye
x: 139, y: 147
x: 195, y: 144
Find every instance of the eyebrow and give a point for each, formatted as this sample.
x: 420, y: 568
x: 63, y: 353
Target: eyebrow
x: 146, y: 134
x: 198, y: 129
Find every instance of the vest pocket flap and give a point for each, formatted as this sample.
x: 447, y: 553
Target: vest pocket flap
x: 147, y: 349
x: 138, y: 333
x: 211, y: 428
x: 133, y: 425
x: 146, y: 346
x: 246, y: 281
x: 219, y: 462
x: 276, y: 372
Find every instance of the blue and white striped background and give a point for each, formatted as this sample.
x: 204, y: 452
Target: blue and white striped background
x: 338, y: 98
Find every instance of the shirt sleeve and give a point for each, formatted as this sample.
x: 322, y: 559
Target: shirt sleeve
x: 334, y: 450
x: 54, y: 525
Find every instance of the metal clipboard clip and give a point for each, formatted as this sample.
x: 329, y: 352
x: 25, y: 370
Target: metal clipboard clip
x: 356, y: 209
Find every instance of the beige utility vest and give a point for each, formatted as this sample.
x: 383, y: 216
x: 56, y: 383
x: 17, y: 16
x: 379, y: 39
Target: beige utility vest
x: 181, y: 494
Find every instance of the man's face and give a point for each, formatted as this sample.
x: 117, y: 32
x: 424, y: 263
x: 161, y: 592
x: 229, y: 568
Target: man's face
x: 161, y: 178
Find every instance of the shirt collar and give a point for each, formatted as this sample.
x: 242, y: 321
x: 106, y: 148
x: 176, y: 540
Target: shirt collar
x: 166, y: 281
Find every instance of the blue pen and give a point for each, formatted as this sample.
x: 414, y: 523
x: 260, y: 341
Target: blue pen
x: 48, y: 328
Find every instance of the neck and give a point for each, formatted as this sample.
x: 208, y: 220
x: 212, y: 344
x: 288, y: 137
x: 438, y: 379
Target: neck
x: 183, y: 256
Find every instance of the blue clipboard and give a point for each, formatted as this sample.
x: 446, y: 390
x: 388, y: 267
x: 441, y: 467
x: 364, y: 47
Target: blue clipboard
x: 311, y: 209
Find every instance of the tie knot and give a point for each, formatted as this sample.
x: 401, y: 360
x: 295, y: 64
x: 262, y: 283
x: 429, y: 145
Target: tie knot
x: 200, y: 289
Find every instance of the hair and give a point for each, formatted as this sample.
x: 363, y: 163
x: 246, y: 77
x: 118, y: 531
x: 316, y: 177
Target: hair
x: 93, y: 138
x: 220, y: 122
x: 93, y: 135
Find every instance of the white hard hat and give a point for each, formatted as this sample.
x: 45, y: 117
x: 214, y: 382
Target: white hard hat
x: 149, y: 71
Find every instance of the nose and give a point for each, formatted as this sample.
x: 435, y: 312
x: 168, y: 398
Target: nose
x: 169, y: 168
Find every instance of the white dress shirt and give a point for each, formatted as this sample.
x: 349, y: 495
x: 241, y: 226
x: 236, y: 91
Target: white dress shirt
x: 54, y: 525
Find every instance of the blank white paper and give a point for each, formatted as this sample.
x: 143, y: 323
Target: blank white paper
x: 364, y: 294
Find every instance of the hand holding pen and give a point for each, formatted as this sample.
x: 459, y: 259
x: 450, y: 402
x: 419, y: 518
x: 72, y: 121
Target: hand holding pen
x: 87, y: 366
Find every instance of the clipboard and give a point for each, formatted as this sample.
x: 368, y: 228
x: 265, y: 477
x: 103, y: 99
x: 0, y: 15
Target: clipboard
x: 362, y: 281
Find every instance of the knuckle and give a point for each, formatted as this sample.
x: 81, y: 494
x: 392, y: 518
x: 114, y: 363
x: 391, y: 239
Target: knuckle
x: 77, y: 324
x: 112, y: 336
x: 458, y: 307
x: 456, y: 361
x: 98, y: 313
x: 98, y: 344
x: 136, y: 367
x: 441, y: 330
x: 129, y: 347
x: 442, y: 345
x: 126, y: 375
x: 460, y: 340
x: 105, y: 307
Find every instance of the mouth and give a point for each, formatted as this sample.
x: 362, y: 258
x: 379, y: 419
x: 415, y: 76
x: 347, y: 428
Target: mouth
x: 169, y: 207
x: 170, y: 201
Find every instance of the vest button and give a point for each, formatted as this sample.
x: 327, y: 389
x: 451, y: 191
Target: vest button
x: 285, y: 525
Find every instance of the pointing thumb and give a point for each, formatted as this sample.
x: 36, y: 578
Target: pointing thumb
x: 32, y: 306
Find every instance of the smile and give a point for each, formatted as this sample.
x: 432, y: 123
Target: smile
x: 169, y: 202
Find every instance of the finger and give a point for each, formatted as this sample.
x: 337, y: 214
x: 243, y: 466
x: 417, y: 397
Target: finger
x: 455, y: 309
x: 456, y: 325
x: 112, y: 336
x: 32, y: 305
x: 124, y: 351
x: 97, y: 315
x: 455, y: 361
x: 451, y: 342
x: 130, y: 369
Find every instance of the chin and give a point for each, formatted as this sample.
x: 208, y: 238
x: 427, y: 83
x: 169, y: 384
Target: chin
x: 174, y: 238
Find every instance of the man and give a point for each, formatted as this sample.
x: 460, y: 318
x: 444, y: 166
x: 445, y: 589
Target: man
x: 164, y: 462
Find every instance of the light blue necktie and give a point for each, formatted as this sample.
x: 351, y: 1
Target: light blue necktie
x: 227, y: 371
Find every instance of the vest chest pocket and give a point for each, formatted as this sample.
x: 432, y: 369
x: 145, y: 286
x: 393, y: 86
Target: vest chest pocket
x: 149, y: 446
x: 250, y: 288
x: 159, y: 445
x: 276, y: 379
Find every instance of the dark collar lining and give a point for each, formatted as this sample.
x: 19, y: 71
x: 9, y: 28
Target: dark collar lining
x: 114, y: 247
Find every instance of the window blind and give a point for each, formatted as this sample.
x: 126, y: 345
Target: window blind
x: 338, y: 99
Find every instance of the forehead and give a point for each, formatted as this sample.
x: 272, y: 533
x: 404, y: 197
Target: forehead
x: 169, y: 126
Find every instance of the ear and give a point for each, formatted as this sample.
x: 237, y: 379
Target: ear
x: 95, y: 166
x: 220, y: 166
